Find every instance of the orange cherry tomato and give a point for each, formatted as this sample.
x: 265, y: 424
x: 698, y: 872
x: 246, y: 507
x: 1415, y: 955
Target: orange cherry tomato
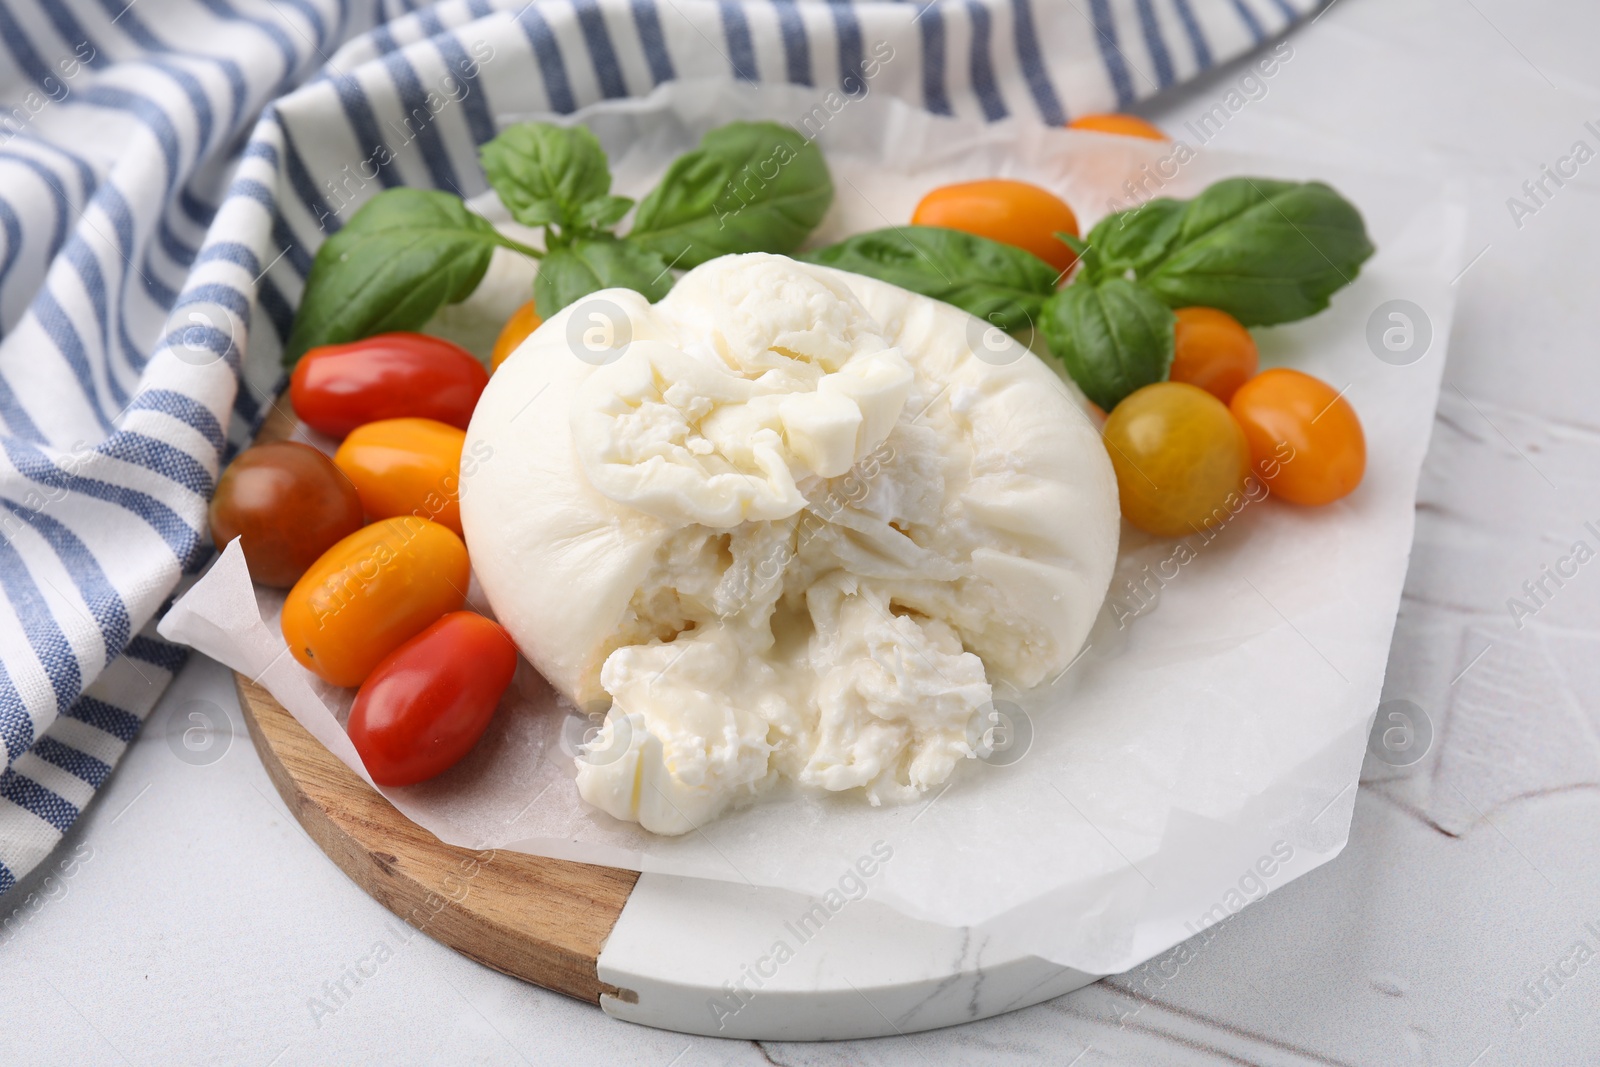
x: 522, y: 322
x: 1011, y: 212
x: 431, y: 699
x: 1304, y: 437
x: 371, y: 592
x: 1212, y: 350
x: 1115, y: 122
x: 1180, y: 459
x: 336, y: 388
x: 406, y: 467
x: 288, y: 504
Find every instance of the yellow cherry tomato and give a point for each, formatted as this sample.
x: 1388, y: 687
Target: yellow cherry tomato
x: 1115, y: 122
x: 1011, y: 212
x: 406, y: 467
x: 522, y: 322
x: 372, y: 592
x: 1305, y: 438
x: 1212, y: 350
x: 1180, y: 459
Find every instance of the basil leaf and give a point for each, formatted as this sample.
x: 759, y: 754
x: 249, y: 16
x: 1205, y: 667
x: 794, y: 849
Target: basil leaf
x: 587, y: 266
x: 1263, y: 251
x: 546, y: 174
x: 603, y: 213
x: 1114, y: 337
x: 404, y: 255
x: 999, y: 283
x: 1134, y: 239
x: 749, y: 187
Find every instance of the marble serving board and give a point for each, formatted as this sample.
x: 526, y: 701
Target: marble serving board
x: 688, y: 954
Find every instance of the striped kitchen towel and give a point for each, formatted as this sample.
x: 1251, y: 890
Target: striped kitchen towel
x: 169, y: 167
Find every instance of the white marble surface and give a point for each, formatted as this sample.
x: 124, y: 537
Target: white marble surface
x: 728, y: 960
x: 199, y: 924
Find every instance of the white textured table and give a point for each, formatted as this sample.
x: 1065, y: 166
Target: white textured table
x: 198, y: 924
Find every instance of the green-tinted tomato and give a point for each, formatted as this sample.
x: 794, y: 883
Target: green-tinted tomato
x: 1181, y: 459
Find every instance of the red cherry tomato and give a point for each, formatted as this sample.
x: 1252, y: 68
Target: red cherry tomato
x: 336, y: 388
x: 428, y: 702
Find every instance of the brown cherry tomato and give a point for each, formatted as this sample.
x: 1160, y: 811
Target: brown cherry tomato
x: 1115, y: 122
x: 336, y: 388
x: 370, y: 593
x: 428, y: 702
x: 1011, y: 212
x: 406, y: 467
x: 288, y: 504
x: 522, y: 322
x: 1212, y: 350
x: 1304, y: 437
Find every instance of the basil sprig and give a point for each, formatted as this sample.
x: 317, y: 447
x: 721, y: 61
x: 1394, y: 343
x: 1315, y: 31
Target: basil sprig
x: 748, y: 187
x: 1264, y: 251
x: 999, y: 283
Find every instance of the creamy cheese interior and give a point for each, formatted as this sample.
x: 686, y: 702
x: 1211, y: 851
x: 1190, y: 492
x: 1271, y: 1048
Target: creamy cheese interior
x: 789, y: 526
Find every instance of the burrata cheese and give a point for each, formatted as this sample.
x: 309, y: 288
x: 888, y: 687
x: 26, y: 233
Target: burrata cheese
x: 787, y: 523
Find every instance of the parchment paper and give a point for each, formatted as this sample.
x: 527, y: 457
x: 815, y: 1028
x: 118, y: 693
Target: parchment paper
x: 1204, y: 749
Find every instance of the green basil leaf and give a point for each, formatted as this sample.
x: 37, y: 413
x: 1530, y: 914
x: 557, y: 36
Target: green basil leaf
x: 587, y: 266
x: 1134, y: 239
x: 404, y: 255
x: 1088, y: 256
x: 603, y: 213
x: 999, y: 283
x: 1263, y: 251
x: 1114, y: 337
x: 546, y: 174
x: 749, y: 187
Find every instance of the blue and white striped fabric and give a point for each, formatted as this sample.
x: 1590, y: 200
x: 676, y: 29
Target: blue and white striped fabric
x: 169, y: 167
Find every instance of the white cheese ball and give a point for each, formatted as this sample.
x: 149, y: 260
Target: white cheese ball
x: 786, y: 524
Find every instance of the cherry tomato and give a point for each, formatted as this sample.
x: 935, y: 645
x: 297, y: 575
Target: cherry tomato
x: 371, y: 592
x: 1304, y: 437
x: 1180, y: 459
x: 1011, y: 212
x: 336, y: 388
x: 1113, y: 122
x: 522, y: 322
x: 288, y: 503
x: 429, y: 701
x: 1212, y: 350
x: 406, y: 467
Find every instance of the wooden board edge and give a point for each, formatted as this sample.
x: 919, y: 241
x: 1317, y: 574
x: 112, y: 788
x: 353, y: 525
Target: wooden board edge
x: 539, y: 919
